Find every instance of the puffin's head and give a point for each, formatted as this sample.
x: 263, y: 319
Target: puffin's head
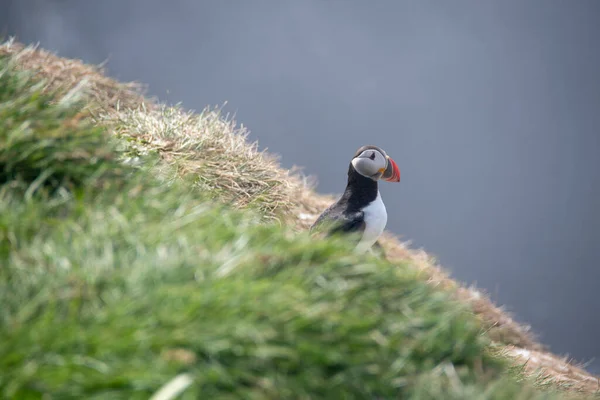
x: 374, y: 163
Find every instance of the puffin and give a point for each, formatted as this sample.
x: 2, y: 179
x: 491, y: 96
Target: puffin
x: 360, y: 210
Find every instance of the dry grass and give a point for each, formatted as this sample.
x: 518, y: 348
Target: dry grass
x: 213, y: 150
x: 61, y: 73
x: 554, y: 370
x: 210, y: 148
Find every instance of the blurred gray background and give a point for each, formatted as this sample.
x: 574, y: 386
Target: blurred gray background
x: 490, y: 108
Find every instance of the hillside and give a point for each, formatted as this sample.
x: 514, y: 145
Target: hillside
x: 140, y: 243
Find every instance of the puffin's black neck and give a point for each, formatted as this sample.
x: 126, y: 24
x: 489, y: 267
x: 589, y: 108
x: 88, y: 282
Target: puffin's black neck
x: 360, y: 190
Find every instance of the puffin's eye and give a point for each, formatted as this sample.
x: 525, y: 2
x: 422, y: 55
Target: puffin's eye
x: 372, y: 156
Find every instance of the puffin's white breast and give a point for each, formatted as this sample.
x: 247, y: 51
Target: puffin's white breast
x: 375, y: 221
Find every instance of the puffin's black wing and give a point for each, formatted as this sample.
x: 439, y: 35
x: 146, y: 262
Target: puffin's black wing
x: 340, y: 222
x: 349, y: 223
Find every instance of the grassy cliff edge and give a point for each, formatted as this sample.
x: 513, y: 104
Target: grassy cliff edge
x: 142, y: 245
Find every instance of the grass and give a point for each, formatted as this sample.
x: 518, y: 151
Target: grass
x: 46, y: 140
x: 122, y: 271
x: 212, y: 150
x: 112, y: 294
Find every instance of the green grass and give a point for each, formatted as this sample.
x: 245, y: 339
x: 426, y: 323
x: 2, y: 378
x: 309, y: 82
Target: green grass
x: 114, y: 281
x: 47, y: 139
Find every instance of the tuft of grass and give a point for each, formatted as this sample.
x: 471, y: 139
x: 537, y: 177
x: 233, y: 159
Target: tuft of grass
x: 214, y: 151
x: 45, y: 138
x: 62, y: 75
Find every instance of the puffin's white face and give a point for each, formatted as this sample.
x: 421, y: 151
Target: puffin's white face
x: 373, y: 163
x: 370, y: 163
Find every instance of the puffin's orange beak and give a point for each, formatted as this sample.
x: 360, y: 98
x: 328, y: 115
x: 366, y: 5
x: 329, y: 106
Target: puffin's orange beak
x: 391, y: 173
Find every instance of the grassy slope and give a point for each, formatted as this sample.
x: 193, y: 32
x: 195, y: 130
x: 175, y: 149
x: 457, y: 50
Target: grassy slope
x: 118, y: 277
